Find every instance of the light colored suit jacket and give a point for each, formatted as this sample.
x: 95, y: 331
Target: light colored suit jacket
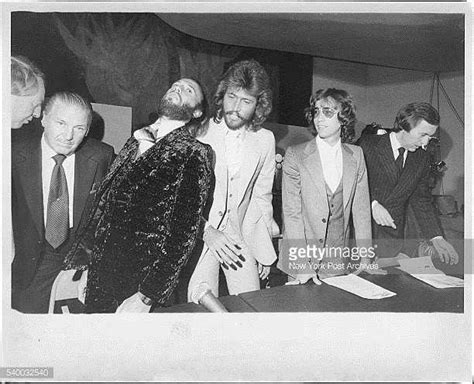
x: 305, y: 204
x: 257, y: 170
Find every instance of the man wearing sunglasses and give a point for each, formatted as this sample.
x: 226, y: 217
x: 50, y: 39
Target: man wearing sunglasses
x: 324, y: 184
x: 399, y: 170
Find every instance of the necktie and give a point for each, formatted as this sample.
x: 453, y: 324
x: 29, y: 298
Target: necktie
x: 57, y: 218
x: 399, y: 160
x: 146, y: 139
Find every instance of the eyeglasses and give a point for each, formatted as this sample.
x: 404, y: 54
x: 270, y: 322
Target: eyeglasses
x: 327, y: 112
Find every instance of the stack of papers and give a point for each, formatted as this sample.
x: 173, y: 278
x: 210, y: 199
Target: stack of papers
x: 423, y: 269
x: 359, y: 286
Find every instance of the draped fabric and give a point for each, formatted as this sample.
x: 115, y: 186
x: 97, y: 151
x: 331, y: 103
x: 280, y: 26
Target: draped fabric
x: 132, y: 59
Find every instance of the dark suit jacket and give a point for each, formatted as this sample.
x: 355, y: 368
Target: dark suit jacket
x: 145, y: 221
x: 395, y: 194
x: 92, y: 160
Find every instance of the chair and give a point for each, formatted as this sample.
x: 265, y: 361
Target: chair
x: 66, y: 290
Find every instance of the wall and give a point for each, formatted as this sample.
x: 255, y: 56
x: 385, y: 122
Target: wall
x: 379, y: 92
x: 344, y: 75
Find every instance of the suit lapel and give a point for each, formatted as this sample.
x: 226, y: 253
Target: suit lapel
x: 85, y: 170
x: 127, y: 153
x: 217, y: 139
x: 386, y: 159
x: 409, y: 170
x: 312, y: 162
x: 249, y: 161
x: 349, y: 173
x: 214, y: 135
x: 30, y: 171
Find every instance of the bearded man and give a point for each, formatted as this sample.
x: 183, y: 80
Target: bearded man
x: 146, y: 217
x: 239, y: 228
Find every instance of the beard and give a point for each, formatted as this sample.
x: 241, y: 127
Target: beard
x: 234, y: 120
x: 175, y: 112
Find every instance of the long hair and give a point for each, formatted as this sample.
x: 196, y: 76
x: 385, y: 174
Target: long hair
x: 411, y: 114
x: 346, y: 115
x: 252, y: 77
x: 196, y: 125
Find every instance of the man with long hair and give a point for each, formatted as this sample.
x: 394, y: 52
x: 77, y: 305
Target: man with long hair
x: 147, y: 214
x: 238, y: 230
x: 324, y: 185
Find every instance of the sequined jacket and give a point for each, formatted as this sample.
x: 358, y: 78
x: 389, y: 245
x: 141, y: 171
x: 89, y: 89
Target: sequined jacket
x: 145, y: 221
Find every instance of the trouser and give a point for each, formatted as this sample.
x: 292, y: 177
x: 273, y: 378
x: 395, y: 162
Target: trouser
x: 35, y: 298
x: 244, y: 279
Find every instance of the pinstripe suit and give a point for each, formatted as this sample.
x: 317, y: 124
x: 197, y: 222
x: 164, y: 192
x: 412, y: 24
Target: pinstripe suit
x: 397, y: 193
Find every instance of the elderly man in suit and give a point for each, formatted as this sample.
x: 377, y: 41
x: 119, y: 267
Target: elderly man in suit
x: 239, y: 228
x: 27, y: 97
x: 54, y: 176
x: 27, y: 91
x: 399, y: 169
x: 147, y: 213
x: 324, y: 185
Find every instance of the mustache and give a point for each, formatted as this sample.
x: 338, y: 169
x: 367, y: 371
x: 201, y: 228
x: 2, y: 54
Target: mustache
x: 234, y: 113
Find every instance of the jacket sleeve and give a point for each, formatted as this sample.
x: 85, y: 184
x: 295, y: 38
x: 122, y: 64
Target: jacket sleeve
x: 421, y: 202
x: 78, y: 257
x: 262, y: 191
x: 180, y: 229
x: 361, y: 212
x: 291, y: 197
x: 292, y: 210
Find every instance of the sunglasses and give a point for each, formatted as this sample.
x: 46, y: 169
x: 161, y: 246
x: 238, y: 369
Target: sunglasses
x: 327, y: 112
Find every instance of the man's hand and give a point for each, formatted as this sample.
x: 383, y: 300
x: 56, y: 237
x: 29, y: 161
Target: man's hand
x: 133, y: 304
x: 275, y: 229
x: 263, y: 271
x: 223, y: 248
x: 381, y: 215
x: 445, y: 250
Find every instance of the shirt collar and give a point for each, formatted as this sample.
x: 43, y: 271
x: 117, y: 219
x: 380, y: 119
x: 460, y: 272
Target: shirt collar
x: 162, y: 127
x: 323, y: 146
x: 46, y: 150
x: 394, y: 142
x: 237, y: 133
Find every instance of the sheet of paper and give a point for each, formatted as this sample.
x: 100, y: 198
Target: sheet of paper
x: 418, y: 265
x: 359, y: 286
x: 440, y: 280
x: 423, y: 269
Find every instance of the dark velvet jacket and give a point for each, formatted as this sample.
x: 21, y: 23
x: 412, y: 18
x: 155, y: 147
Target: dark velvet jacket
x: 145, y: 221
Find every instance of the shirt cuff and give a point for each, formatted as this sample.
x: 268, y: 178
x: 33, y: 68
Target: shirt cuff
x: 437, y: 237
x: 373, y: 203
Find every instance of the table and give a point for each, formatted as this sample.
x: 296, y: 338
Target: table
x: 233, y: 303
x: 412, y: 296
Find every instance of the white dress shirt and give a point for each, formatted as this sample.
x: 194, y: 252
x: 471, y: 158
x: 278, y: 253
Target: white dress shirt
x: 160, y: 129
x: 395, y: 147
x: 233, y: 149
x: 48, y: 164
x: 331, y: 161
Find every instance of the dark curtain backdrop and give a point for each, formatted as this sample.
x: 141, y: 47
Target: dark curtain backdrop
x: 131, y: 59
